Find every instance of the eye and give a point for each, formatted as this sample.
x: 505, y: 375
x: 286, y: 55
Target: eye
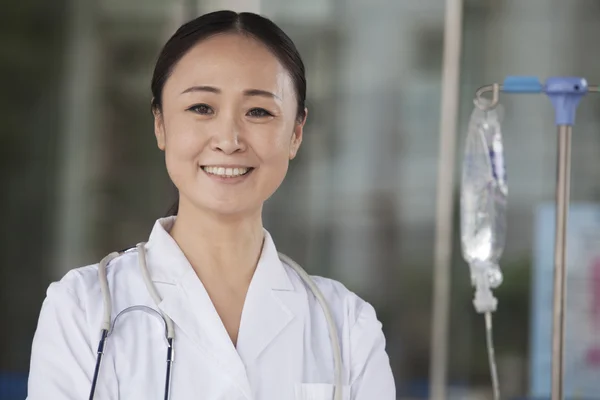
x: 202, y: 109
x: 259, y: 113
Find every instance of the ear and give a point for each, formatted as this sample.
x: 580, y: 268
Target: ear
x: 159, y: 128
x: 297, y: 136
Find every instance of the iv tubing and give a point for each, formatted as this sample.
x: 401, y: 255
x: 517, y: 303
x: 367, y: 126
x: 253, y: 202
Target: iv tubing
x: 491, y: 355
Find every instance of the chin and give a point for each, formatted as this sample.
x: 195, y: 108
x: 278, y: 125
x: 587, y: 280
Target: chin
x: 231, y: 209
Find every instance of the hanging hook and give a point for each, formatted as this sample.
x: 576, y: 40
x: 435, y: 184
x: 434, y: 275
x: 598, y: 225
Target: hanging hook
x: 484, y: 104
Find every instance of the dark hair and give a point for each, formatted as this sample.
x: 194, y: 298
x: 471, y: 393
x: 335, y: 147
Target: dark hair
x: 258, y: 27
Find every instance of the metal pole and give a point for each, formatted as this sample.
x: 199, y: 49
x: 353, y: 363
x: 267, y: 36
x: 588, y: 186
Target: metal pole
x: 560, y: 256
x: 445, y: 199
x: 77, y: 170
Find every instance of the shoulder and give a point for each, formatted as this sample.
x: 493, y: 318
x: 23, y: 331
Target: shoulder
x: 360, y: 333
x: 340, y: 297
x: 81, y: 284
x: 349, y: 309
x: 359, y: 313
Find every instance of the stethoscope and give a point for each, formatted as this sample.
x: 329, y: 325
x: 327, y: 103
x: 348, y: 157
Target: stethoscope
x: 107, y: 327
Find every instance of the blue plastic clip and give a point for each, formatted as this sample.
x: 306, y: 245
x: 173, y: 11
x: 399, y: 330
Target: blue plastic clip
x: 565, y: 93
x: 522, y: 84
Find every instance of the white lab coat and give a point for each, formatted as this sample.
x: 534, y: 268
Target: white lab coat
x: 283, y: 349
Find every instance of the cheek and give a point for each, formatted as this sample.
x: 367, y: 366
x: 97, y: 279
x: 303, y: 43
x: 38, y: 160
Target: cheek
x: 273, y: 147
x: 183, y: 144
x: 273, y: 174
x: 182, y: 138
x: 275, y: 157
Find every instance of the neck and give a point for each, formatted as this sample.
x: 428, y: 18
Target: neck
x: 219, y: 247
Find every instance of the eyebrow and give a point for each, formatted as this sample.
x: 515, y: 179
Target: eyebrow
x: 247, y: 92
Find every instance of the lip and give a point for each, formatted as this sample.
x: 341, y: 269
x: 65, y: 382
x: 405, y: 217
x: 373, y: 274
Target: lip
x: 225, y: 166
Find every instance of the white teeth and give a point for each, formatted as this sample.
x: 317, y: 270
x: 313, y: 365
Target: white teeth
x: 227, y: 172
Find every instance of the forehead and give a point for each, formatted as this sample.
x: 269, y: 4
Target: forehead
x: 231, y: 62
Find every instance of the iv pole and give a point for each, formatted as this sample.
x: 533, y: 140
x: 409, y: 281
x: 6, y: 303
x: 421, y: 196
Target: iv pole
x: 565, y: 94
x: 563, y: 184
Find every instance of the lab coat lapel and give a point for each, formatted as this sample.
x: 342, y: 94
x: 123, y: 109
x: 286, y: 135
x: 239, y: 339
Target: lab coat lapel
x: 269, y: 304
x: 192, y: 311
x: 194, y: 316
x: 186, y: 302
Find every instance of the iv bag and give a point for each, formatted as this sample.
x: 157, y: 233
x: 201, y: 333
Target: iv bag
x: 483, y: 197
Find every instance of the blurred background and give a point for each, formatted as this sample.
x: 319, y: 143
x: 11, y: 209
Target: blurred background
x: 82, y: 175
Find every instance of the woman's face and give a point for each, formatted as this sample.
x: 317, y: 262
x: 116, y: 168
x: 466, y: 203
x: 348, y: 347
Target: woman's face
x: 228, y: 124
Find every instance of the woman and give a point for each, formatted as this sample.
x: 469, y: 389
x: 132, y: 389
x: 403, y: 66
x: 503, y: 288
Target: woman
x: 228, y: 104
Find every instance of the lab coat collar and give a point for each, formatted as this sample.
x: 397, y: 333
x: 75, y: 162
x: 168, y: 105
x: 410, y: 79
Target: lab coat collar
x: 167, y: 263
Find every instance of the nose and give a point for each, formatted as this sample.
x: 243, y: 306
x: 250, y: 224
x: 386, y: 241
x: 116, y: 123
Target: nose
x: 227, y: 136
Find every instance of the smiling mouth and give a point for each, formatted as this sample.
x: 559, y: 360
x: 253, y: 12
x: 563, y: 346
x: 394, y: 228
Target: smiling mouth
x: 227, y: 172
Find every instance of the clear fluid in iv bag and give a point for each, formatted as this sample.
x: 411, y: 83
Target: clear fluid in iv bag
x: 484, y: 194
